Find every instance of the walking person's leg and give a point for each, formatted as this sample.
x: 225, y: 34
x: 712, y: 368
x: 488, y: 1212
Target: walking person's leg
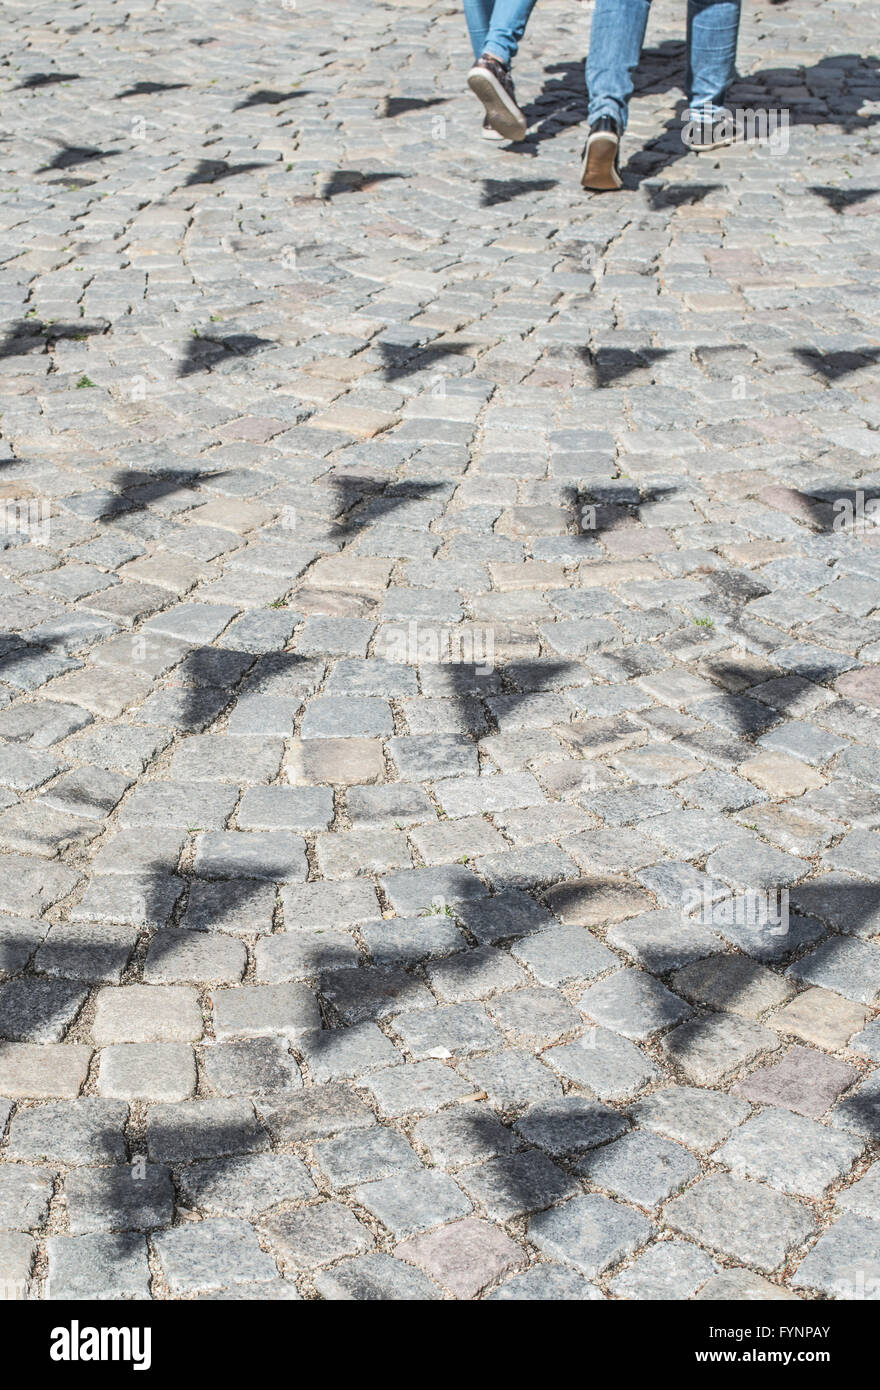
x: 495, y: 31
x: 712, y: 32
x: 616, y: 37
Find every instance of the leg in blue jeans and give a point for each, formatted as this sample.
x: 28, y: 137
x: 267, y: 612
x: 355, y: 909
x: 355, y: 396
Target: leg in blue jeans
x: 712, y: 29
x: 616, y: 37
x: 497, y: 27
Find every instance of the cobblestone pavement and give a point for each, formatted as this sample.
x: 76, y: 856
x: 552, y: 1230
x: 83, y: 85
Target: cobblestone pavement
x: 439, y: 744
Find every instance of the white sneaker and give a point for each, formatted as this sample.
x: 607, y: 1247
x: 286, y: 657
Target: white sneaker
x: 489, y: 132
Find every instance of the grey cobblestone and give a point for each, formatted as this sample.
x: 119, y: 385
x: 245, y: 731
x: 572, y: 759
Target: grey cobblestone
x: 443, y: 580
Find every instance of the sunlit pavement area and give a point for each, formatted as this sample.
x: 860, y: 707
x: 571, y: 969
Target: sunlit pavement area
x: 439, y: 686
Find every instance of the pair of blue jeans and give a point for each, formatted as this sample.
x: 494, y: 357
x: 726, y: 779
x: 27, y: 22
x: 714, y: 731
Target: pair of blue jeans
x: 616, y: 37
x: 496, y: 26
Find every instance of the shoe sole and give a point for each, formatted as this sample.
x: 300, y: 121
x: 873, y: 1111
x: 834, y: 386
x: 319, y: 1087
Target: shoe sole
x: 503, y: 114
x: 599, y: 171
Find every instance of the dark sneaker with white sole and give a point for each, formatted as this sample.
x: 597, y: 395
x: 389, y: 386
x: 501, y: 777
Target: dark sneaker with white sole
x: 601, y: 166
x: 490, y: 80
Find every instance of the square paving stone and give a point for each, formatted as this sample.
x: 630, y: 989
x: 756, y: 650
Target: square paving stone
x: 533, y: 1015
x: 105, y: 1267
x: 144, y: 853
x: 178, y: 957
x: 314, y: 1113
x: 640, y: 1168
x: 286, y: 808
x: 570, y: 1125
x: 475, y: 974
x: 87, y: 791
x: 663, y: 940
x: 344, y: 762
x: 43, y: 1070
x: 274, y: 855
x: 180, y: 1133
x: 252, y: 1067
x: 562, y: 954
x: 141, y: 900
x: 866, y: 1043
x: 87, y: 1130
x: 548, y: 1283
x: 147, y: 1013
x: 25, y: 1192
x: 31, y: 885
x: 211, y: 1254
x: 412, y: 892
x: 428, y: 757
x: 334, y: 637
x: 850, y: 968
x: 369, y: 993
x: 118, y: 1199
x: 344, y: 716
x: 446, y: 1031
x: 754, y: 864
x: 364, y: 1155
x: 199, y: 623
x: 846, y: 903
x: 857, y: 853
x: 304, y: 955
x: 863, y: 1197
x: 710, y: 1048
x: 333, y: 1054
x: 374, y: 1278
x: 86, y: 952
x: 226, y: 758
x: 409, y: 1202
x: 700, y: 1119
x: 261, y: 1011
x: 243, y: 907
x: 596, y: 902
x: 745, y: 1220
x: 263, y: 714
x: 511, y: 1079
x: 789, y: 1152
x: 180, y: 804
x: 245, y: 1186
x: 464, y: 1134
x: 859, y: 1112
x: 396, y: 804
x: 606, y: 1064
x: 520, y: 1183
x: 147, y: 1071
x: 672, y: 1269
x: 317, y: 1235
x: 329, y: 904
x: 39, y: 1010
x: 463, y: 1257
x: 733, y: 984
x: 589, y: 1232
x: 827, y: 1020
x: 17, y: 1252
x: 19, y: 939
x: 416, y: 1088
x: 804, y: 1080
x: 409, y: 940
x: 845, y: 1261
x: 632, y: 1003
